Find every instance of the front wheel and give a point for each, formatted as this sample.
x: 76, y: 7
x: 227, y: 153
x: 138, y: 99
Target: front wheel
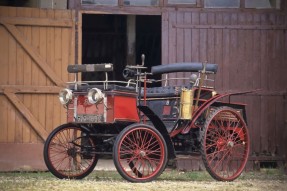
x: 140, y: 153
x: 68, y: 152
x: 225, y: 144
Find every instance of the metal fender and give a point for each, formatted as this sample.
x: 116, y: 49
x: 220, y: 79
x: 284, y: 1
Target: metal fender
x: 207, y: 104
x: 159, y: 125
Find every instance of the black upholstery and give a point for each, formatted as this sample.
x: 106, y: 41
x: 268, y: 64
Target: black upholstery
x: 183, y: 67
x: 166, y: 91
x: 107, y: 67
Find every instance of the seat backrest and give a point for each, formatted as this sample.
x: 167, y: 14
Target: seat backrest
x: 106, y: 67
x: 183, y: 67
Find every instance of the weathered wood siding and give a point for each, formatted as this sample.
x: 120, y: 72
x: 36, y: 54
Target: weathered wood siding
x: 250, y: 47
x: 251, y: 50
x: 36, y: 47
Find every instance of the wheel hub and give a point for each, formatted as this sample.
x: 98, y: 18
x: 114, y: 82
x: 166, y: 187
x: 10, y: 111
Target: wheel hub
x: 220, y: 143
x: 142, y: 153
x: 72, y: 152
x: 230, y: 144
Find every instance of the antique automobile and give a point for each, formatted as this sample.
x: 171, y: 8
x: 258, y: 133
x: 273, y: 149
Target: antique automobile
x: 142, y: 127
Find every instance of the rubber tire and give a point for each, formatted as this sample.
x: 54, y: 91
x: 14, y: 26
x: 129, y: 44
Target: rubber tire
x: 116, y: 148
x: 203, y: 138
x: 46, y: 155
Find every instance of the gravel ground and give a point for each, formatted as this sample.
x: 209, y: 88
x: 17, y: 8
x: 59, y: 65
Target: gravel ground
x: 270, y: 180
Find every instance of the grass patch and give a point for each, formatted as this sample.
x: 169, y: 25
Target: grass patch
x: 105, y: 176
x: 266, y: 179
x: 174, y: 175
x: 265, y: 174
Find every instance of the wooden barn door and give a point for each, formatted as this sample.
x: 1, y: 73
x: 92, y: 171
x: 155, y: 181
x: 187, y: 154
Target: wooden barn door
x: 251, y: 51
x: 36, y: 47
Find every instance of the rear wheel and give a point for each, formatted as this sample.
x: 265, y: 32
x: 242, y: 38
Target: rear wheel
x: 68, y: 152
x: 225, y: 144
x: 140, y: 153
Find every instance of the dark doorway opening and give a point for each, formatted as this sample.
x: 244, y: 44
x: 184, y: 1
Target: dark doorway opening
x: 107, y: 39
x: 148, y: 41
x: 104, y: 41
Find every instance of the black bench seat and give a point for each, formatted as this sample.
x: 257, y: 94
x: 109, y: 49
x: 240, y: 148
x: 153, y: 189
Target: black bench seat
x: 166, y: 91
x: 183, y: 67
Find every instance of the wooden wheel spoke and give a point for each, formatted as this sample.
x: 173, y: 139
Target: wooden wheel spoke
x: 144, y: 140
x: 61, y: 161
x: 153, y: 163
x: 225, y: 143
x: 57, y: 160
x: 226, y: 164
x: 216, y: 123
x: 237, y: 154
x: 80, y: 163
x: 145, y: 167
x: 56, y: 149
x: 129, y: 160
x: 220, y: 161
x: 221, y: 130
x: 153, y: 160
x: 133, y: 140
x: 210, y: 140
x: 150, y: 143
x: 143, y: 137
x: 145, y: 159
x: 58, y: 145
x: 215, y: 130
x: 124, y: 152
x: 158, y: 150
x: 135, y: 165
x: 215, y: 154
x: 55, y: 154
x: 236, y: 127
x: 127, y: 145
x: 209, y: 145
x: 152, y: 146
x: 65, y: 136
x: 68, y: 152
x: 60, y: 140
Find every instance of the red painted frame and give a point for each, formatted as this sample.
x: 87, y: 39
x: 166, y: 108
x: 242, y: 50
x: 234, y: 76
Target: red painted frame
x: 203, y: 107
x: 119, y: 106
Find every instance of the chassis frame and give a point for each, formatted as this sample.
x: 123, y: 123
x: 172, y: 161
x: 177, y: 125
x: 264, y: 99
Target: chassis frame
x: 123, y: 122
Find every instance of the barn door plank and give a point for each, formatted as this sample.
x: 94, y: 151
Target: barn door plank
x: 26, y: 113
x: 58, y: 68
x: 27, y: 67
x: 12, y: 51
x: 19, y: 81
x: 45, y: 22
x: 179, y: 57
x: 34, y: 54
x: 37, y: 45
x: 187, y: 43
x: 42, y: 78
x: 36, y: 71
x: 3, y: 80
x: 51, y: 61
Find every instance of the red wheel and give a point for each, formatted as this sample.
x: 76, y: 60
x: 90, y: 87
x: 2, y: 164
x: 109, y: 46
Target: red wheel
x: 140, y: 153
x: 225, y: 144
x: 68, y: 152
